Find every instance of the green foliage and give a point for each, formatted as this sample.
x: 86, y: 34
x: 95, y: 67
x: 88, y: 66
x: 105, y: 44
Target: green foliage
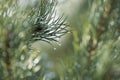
x: 93, y: 52
x: 96, y: 39
x: 46, y: 25
x: 20, y: 25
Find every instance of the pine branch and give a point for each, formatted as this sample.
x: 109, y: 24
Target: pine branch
x: 100, y: 30
x: 7, y: 54
x: 46, y: 25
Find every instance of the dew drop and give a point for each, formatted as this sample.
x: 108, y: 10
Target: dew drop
x: 59, y: 44
x: 54, y: 48
x: 69, y: 32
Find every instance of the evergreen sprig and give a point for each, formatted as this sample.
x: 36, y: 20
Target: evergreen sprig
x: 46, y: 25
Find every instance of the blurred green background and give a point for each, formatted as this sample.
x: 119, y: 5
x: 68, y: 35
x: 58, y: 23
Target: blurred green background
x: 89, y: 51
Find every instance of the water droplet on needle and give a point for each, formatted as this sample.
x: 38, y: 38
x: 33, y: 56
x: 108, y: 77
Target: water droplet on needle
x: 54, y: 48
x: 59, y: 44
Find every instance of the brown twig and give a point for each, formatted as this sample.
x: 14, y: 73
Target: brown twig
x: 7, y: 55
x: 100, y: 30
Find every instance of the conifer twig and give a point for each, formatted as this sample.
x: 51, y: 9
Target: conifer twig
x: 7, y: 55
x: 100, y: 30
x: 47, y: 26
